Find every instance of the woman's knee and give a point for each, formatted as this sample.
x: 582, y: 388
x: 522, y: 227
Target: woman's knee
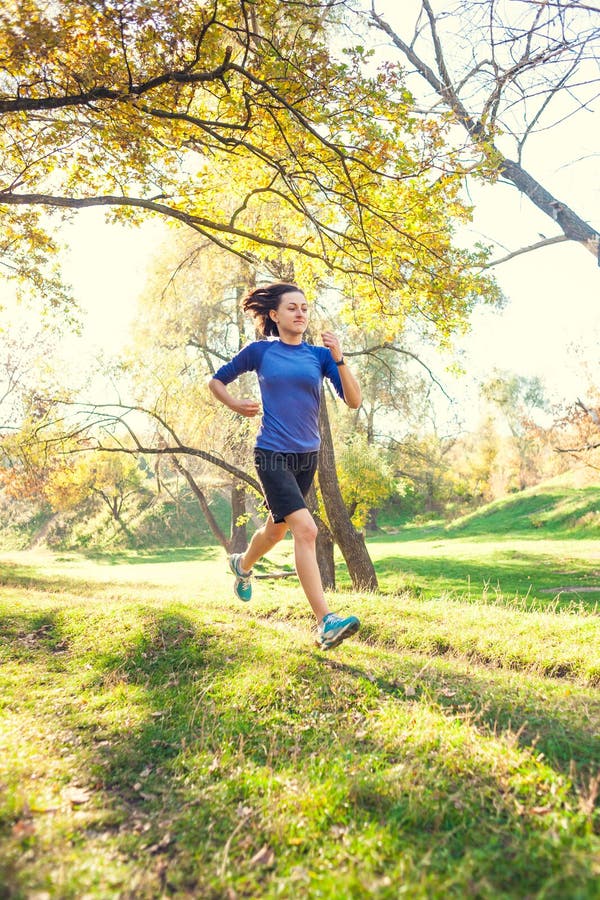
x: 305, y: 531
x: 275, y: 531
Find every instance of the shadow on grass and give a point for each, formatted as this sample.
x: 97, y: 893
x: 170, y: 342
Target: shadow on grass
x: 26, y: 635
x: 145, y: 557
x: 221, y: 731
x: 566, y: 735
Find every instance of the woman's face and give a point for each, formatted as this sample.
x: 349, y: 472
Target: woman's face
x: 291, y: 316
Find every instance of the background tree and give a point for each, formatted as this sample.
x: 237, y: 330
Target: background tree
x: 366, y: 479
x: 474, y: 464
x: 113, y: 480
x: 518, y: 398
x: 424, y: 460
x: 576, y: 431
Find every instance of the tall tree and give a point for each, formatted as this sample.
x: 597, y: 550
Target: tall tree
x: 505, y: 72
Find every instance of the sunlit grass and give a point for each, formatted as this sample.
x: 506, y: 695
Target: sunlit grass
x: 158, y: 739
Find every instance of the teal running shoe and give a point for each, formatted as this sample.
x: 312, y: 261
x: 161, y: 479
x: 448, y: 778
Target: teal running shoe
x: 333, y: 630
x: 243, y: 580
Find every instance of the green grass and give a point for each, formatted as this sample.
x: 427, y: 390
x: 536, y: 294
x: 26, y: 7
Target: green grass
x: 158, y: 739
x: 536, y: 573
x: 538, y: 548
x: 553, y: 508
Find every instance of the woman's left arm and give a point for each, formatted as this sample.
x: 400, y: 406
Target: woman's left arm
x: 350, y: 385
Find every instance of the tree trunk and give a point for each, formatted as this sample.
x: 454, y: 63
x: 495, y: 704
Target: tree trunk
x: 351, y: 543
x: 238, y: 541
x: 198, y: 493
x: 573, y: 227
x: 325, y: 544
x: 372, y: 524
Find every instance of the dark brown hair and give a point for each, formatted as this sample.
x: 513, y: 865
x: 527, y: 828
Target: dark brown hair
x: 262, y: 300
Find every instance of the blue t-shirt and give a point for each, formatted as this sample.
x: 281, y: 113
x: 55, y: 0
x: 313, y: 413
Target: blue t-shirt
x: 290, y: 378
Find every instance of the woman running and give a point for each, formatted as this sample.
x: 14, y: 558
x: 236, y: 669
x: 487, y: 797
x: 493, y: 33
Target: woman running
x: 290, y: 374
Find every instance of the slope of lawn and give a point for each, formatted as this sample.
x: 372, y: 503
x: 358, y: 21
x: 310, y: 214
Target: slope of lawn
x: 553, y: 508
x: 160, y: 739
x: 539, y: 547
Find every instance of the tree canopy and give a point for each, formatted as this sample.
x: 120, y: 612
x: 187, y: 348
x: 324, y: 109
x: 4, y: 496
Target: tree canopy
x: 227, y: 116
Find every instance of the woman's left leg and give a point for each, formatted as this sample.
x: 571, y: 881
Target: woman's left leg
x: 304, y: 531
x: 262, y: 541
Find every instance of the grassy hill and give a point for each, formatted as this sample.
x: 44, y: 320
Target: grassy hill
x: 538, y: 548
x: 554, y: 507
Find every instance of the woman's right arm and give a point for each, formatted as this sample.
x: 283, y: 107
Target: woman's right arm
x: 243, y: 407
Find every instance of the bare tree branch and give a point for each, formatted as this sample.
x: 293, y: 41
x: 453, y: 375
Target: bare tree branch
x: 480, y: 126
x: 546, y: 242
x: 389, y: 346
x: 102, y: 414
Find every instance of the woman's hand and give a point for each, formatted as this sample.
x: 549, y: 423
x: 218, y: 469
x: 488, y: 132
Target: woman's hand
x: 243, y: 407
x: 248, y: 408
x: 332, y: 341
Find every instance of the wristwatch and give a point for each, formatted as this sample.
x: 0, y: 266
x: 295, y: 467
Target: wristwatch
x: 342, y: 362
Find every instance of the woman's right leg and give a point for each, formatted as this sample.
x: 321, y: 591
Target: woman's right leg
x: 304, y: 531
x: 262, y: 541
x: 332, y: 629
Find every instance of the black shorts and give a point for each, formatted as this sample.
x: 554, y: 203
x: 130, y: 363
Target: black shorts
x: 286, y: 479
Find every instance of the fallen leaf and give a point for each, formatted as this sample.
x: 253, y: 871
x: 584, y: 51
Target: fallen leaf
x: 264, y: 857
x: 162, y: 844
x: 40, y: 808
x: 23, y: 828
x: 76, y: 796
